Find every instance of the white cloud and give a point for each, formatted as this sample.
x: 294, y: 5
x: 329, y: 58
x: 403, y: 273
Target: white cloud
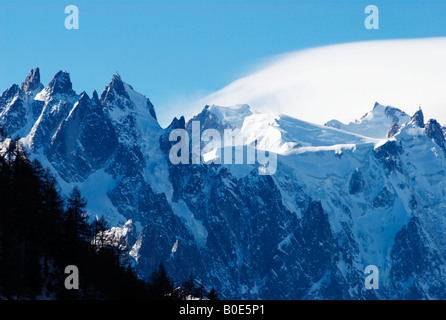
x: 344, y: 81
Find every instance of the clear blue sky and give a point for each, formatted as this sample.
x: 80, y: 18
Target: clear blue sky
x: 173, y: 49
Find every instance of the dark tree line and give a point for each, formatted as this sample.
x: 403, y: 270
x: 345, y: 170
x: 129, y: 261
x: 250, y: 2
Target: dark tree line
x: 161, y: 286
x: 41, y: 233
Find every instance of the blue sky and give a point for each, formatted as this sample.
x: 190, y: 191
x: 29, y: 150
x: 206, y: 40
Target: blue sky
x: 171, y: 50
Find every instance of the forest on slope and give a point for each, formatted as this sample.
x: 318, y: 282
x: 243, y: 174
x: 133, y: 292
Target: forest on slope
x: 41, y: 233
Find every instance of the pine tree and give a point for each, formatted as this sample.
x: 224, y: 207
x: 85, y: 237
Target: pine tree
x: 212, y: 295
x: 160, y: 284
x: 76, y: 225
x: 52, y: 211
x: 189, y: 286
x: 27, y: 202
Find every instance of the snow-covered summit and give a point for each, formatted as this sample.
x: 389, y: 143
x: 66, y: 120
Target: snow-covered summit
x: 232, y: 115
x: 374, y: 124
x: 274, y: 132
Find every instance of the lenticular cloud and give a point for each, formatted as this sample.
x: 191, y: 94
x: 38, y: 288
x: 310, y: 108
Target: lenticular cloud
x: 344, y: 81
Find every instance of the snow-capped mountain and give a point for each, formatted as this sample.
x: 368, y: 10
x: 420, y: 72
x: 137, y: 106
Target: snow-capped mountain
x: 343, y: 196
x: 375, y: 123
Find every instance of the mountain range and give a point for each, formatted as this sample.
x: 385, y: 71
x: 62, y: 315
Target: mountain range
x: 343, y: 196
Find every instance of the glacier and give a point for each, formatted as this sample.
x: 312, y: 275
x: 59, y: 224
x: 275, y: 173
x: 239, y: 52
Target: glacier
x: 344, y: 196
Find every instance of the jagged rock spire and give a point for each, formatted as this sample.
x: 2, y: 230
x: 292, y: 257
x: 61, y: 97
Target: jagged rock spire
x: 418, y: 118
x: 95, y: 95
x: 115, y: 87
x: 61, y: 83
x: 32, y: 81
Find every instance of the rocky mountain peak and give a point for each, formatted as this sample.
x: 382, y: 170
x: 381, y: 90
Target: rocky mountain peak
x: 32, y: 81
x: 61, y: 84
x: 114, y: 88
x: 95, y: 96
x: 418, y: 118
